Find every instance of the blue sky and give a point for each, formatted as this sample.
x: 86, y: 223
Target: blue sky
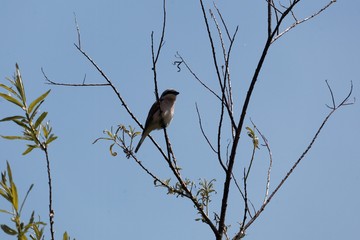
x: 97, y: 196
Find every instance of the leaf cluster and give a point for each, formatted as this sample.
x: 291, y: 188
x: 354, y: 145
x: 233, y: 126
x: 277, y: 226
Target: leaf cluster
x: 31, y: 121
x: 202, y: 192
x: 118, y: 137
x: 33, y: 229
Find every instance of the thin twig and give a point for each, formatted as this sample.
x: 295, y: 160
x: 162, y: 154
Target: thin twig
x: 51, y: 210
x: 182, y: 60
x: 266, y: 143
x: 48, y: 81
x: 223, y: 22
x: 216, y: 62
x: 224, y: 204
x: 202, y: 130
x: 172, y: 163
x: 77, y: 31
x: 242, y: 230
x: 302, y: 21
x: 109, y: 83
x: 341, y: 104
x: 332, y: 96
x: 269, y: 18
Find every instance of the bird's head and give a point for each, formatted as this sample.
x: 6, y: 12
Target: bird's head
x: 169, y: 94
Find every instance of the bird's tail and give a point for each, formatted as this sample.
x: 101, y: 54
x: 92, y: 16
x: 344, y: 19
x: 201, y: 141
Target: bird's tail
x: 140, y: 142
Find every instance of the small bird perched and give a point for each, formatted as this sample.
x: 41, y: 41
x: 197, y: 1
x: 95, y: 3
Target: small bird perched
x: 154, y: 121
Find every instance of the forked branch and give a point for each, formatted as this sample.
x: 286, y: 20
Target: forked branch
x: 344, y: 102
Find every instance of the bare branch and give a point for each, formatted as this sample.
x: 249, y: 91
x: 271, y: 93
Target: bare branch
x: 172, y: 161
x: 242, y: 118
x: 203, y: 133
x: 332, y: 96
x: 219, y: 33
x: 194, y: 74
x: 223, y: 22
x: 241, y: 233
x: 297, y: 22
x: 343, y: 103
x: 266, y: 143
x: 216, y: 64
x: 269, y: 18
x: 83, y: 84
x: 77, y: 31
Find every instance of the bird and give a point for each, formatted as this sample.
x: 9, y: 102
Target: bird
x: 154, y: 121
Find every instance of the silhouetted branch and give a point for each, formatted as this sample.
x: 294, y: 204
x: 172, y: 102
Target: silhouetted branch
x: 297, y: 22
x: 216, y: 66
x: 239, y: 126
x: 48, y: 81
x: 266, y: 143
x: 341, y: 104
x: 171, y: 157
x: 203, y: 132
x: 182, y: 60
x: 77, y: 31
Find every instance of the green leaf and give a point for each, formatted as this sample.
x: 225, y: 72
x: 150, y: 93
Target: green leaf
x: 9, y: 173
x: 23, y: 123
x: 35, y: 111
x: 5, y: 194
x: 46, y: 131
x: 19, y: 84
x: 23, y: 202
x: 11, y: 99
x: 4, y: 211
x: 65, y: 236
x: 15, y: 137
x: 15, y: 200
x: 11, y: 118
x: 9, y: 89
x: 8, y: 230
x: 111, y: 151
x: 40, y: 119
x: 36, y: 101
x: 29, y: 149
x: 38, y: 231
x: 51, y: 138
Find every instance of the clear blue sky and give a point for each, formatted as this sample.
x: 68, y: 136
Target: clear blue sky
x: 97, y: 196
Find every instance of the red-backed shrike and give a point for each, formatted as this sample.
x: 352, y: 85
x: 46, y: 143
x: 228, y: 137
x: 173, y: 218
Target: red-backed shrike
x: 154, y: 121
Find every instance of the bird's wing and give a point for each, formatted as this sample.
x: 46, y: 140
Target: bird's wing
x: 151, y: 113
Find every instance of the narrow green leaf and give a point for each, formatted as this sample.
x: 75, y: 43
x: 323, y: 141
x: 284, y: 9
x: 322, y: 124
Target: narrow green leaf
x: 45, y: 131
x: 6, y: 194
x: 36, y: 101
x: 12, y: 81
x: 50, y: 139
x: 29, y: 149
x: 31, y: 222
x: 15, y: 200
x: 9, y: 173
x: 65, y: 236
x: 19, y: 84
x: 23, y: 202
x: 11, y: 99
x: 8, y: 230
x: 4, y: 211
x: 111, y: 150
x: 11, y: 118
x: 35, y: 111
x: 15, y: 138
x: 40, y: 119
x: 23, y: 123
x: 9, y: 89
